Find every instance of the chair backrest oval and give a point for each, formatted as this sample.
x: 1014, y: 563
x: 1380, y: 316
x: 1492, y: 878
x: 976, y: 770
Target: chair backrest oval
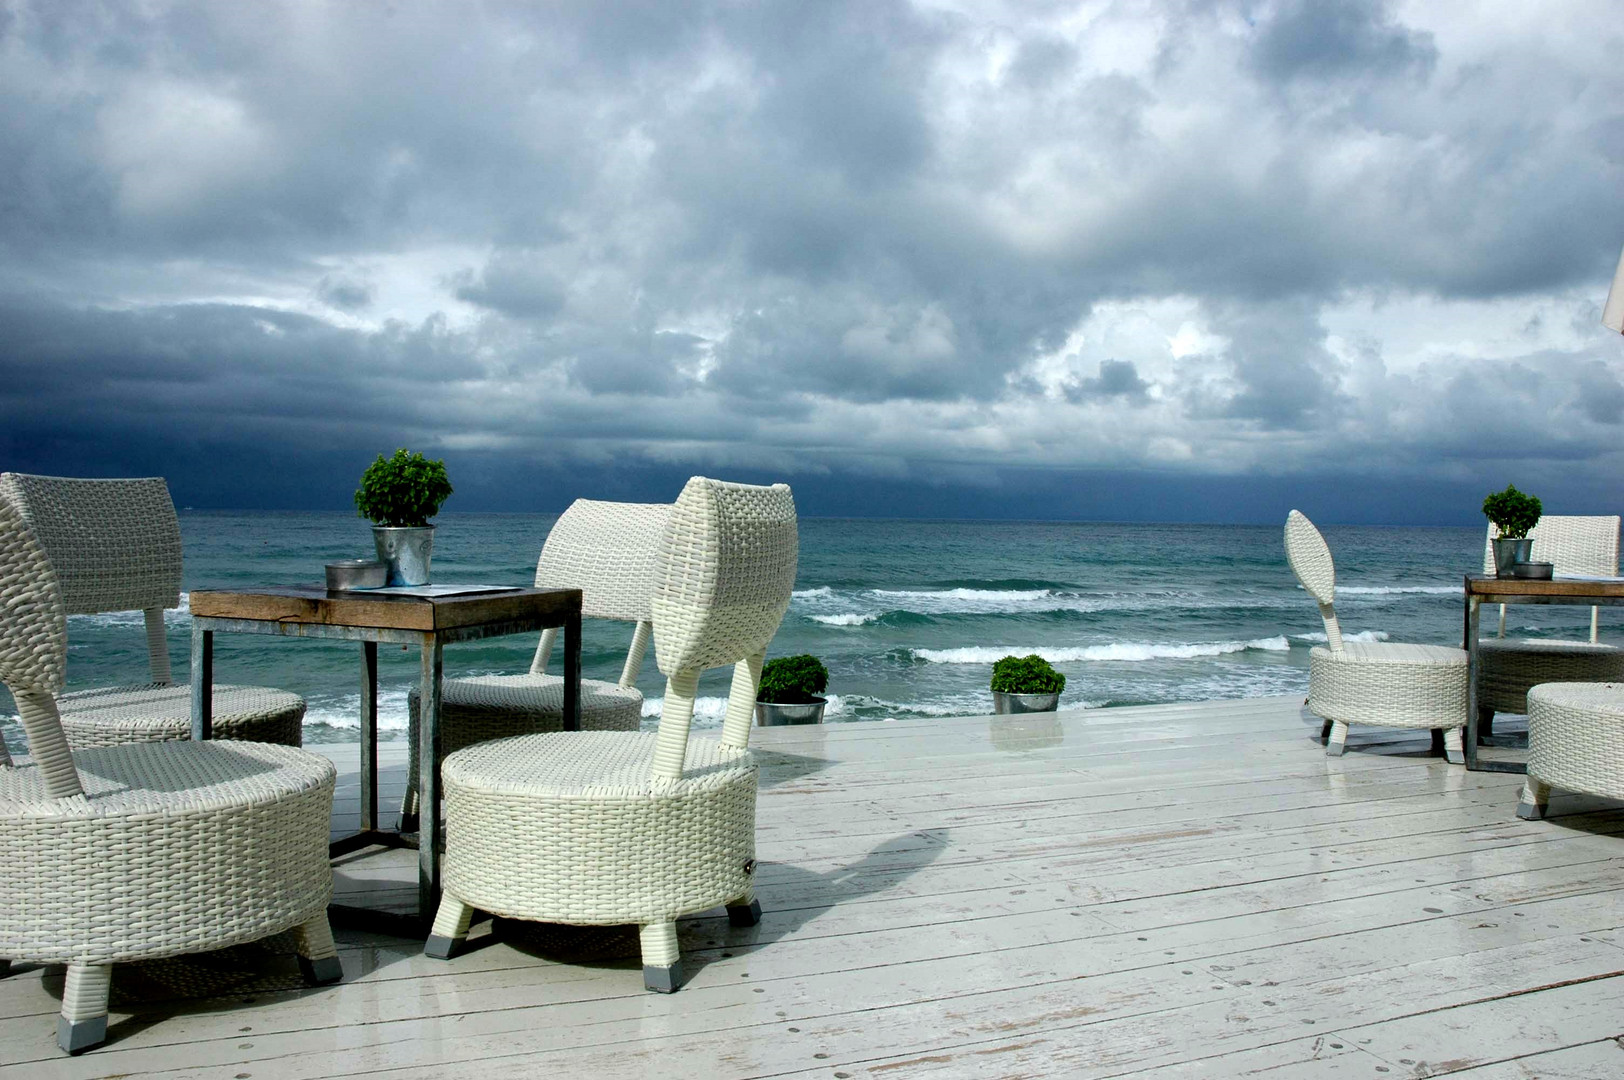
x: 1575, y: 545
x: 114, y: 544
x: 726, y: 573
x: 608, y: 550
x: 33, y: 620
x: 1310, y: 558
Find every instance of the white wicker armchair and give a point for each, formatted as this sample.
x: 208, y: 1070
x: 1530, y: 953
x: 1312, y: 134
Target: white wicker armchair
x: 1383, y: 683
x: 607, y: 550
x: 143, y: 850
x: 615, y: 827
x: 1508, y: 667
x: 114, y: 545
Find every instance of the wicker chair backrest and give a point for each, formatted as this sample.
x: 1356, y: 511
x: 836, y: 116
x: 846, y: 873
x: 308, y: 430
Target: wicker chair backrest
x: 608, y: 550
x: 114, y: 544
x: 1574, y: 545
x: 726, y: 571
x: 33, y: 620
x: 1310, y: 560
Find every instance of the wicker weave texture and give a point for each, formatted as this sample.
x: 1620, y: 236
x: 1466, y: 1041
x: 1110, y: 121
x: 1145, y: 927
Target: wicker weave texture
x: 1509, y: 667
x: 1575, y: 546
x: 33, y: 621
x: 110, y: 716
x: 727, y: 547
x: 174, y: 848
x: 1389, y: 684
x: 569, y: 827
x: 609, y: 551
x: 1576, y: 737
x: 1310, y: 558
x: 115, y: 544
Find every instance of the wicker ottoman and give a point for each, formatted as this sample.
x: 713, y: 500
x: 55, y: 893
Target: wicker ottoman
x: 1575, y: 742
x: 1509, y: 667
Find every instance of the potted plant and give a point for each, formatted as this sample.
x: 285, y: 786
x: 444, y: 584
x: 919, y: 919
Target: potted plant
x: 789, y: 691
x: 398, y: 495
x: 1022, y: 684
x: 1512, y: 513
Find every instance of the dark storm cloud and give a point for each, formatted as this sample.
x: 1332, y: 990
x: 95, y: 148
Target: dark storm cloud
x: 862, y: 236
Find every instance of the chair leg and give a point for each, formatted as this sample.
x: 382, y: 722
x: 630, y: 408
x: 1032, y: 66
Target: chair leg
x: 408, y: 807
x: 450, y: 928
x: 83, y: 1022
x: 5, y: 968
x: 662, y: 963
x: 1338, y: 741
x: 1536, y: 796
x: 318, y: 956
x: 1455, y: 745
x: 1325, y: 733
x: 1485, y: 724
x: 744, y: 910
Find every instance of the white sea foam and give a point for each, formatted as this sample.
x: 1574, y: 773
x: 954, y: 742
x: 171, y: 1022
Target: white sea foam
x: 173, y: 617
x: 821, y: 592
x: 847, y: 618
x: 344, y: 711
x: 1114, y: 651
x: 1364, y: 635
x: 1396, y: 590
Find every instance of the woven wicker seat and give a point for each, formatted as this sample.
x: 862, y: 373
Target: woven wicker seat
x: 142, y: 850
x: 1575, y: 742
x: 1507, y: 667
x: 608, y: 551
x: 634, y: 827
x: 1386, y: 684
x: 115, y: 546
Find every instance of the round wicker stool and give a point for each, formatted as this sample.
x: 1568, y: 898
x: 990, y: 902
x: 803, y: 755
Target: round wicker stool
x: 1390, y: 684
x: 1508, y: 667
x: 110, y: 716
x: 560, y: 828
x: 1575, y: 742
x: 173, y: 848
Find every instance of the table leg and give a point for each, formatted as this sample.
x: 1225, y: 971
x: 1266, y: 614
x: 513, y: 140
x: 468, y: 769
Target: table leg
x: 369, y: 736
x: 428, y: 780
x: 202, y: 684
x: 1473, y: 606
x: 572, y: 673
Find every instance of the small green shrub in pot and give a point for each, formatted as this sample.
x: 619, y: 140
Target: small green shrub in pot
x: 793, y: 680
x: 403, y: 491
x: 1026, y: 675
x: 1512, y: 512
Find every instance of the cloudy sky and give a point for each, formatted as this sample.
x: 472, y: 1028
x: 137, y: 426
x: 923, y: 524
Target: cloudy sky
x: 1197, y: 260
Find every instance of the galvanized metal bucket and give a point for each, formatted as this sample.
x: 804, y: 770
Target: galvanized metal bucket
x: 1004, y: 704
x: 1509, y: 551
x: 774, y: 713
x: 406, y: 551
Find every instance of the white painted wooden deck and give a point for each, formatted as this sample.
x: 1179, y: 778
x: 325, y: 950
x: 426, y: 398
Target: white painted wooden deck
x: 1184, y: 891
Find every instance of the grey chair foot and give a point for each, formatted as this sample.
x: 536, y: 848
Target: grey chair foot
x: 320, y: 972
x: 744, y: 914
x: 441, y: 947
x: 1325, y: 732
x: 77, y: 1036
x: 1530, y: 811
x: 663, y: 980
x: 1335, y: 749
x: 1455, y: 757
x: 5, y: 968
x: 408, y: 823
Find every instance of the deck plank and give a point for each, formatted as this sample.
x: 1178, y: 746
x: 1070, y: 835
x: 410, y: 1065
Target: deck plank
x: 1189, y: 890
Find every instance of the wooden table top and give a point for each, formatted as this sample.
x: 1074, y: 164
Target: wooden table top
x: 1489, y: 585
x: 318, y: 605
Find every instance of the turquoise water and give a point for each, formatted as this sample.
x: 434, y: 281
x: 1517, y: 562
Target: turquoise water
x: 908, y: 615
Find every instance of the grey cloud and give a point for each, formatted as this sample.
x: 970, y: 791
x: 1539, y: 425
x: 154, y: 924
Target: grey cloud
x: 1116, y: 379
x: 345, y: 294
x: 1320, y: 39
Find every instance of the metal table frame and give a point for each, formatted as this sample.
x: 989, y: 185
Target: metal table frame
x: 1487, y: 589
x: 431, y: 644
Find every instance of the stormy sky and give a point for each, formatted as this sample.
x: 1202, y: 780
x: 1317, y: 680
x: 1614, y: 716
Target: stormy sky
x: 1196, y: 260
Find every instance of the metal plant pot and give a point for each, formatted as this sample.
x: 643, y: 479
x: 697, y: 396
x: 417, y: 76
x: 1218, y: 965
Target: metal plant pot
x: 1508, y: 552
x: 1004, y: 704
x: 406, y: 551
x: 774, y: 713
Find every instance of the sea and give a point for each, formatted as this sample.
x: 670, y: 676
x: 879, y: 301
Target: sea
x: 908, y: 615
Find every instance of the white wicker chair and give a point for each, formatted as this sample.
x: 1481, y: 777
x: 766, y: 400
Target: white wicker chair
x: 1507, y: 667
x: 114, y: 545
x: 1575, y: 742
x: 1383, y: 683
x: 616, y: 827
x: 608, y: 551
x: 144, y: 850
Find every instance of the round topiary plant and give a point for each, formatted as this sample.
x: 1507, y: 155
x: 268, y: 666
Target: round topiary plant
x: 403, y: 491
x: 793, y: 680
x: 1512, y: 512
x: 1026, y: 675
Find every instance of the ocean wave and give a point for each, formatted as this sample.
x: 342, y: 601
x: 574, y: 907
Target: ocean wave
x: 343, y: 712
x: 173, y: 617
x: 821, y: 592
x: 847, y: 618
x: 1397, y: 590
x: 1114, y: 651
x: 1318, y: 637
